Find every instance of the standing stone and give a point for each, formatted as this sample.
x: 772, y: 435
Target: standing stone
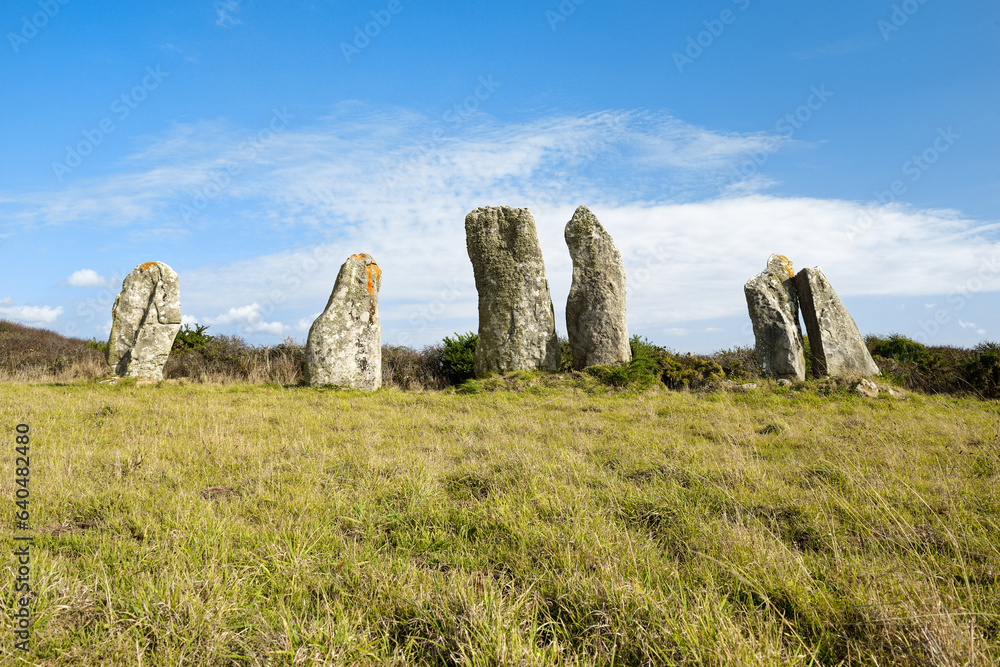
x: 837, y: 346
x: 144, y: 322
x: 774, y: 311
x: 344, y: 347
x: 595, y: 309
x: 516, y: 319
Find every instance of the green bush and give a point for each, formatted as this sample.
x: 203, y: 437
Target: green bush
x: 931, y: 370
x: 896, y: 346
x: 651, y: 363
x: 458, y: 357
x: 982, y: 371
x: 188, y: 339
x: 738, y: 363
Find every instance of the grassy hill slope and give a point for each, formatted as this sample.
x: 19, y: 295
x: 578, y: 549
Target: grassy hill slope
x: 563, y: 525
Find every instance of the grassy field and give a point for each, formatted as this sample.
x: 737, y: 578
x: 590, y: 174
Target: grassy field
x: 548, y: 525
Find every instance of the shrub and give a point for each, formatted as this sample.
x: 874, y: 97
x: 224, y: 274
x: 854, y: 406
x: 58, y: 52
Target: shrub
x: 689, y: 371
x: 738, y: 363
x: 931, y: 370
x: 458, y: 357
x: 896, y: 346
x: 982, y: 371
x: 27, y: 353
x: 191, y: 339
x: 406, y: 368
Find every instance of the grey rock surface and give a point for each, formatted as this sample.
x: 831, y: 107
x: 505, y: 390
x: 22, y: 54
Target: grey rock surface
x: 344, y: 346
x: 774, y: 311
x: 516, y: 319
x: 595, y: 308
x: 866, y: 388
x: 837, y: 346
x: 144, y: 322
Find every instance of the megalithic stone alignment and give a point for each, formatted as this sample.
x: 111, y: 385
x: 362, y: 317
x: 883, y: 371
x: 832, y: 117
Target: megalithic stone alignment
x: 836, y: 343
x: 344, y: 346
x: 516, y: 319
x: 774, y: 311
x: 144, y: 322
x: 595, y: 308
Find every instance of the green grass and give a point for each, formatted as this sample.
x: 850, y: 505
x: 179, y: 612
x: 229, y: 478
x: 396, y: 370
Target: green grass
x: 560, y: 524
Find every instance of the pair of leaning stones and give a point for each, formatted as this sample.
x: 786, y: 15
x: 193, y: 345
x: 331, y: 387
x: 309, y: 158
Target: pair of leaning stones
x: 774, y: 298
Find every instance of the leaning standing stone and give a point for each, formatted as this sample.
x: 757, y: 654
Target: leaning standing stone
x: 144, y: 322
x: 774, y: 311
x: 516, y: 319
x: 595, y: 309
x: 836, y: 343
x: 344, y: 347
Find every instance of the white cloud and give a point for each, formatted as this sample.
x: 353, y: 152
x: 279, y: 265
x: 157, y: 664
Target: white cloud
x: 189, y: 320
x: 972, y: 325
x: 250, y: 320
x: 31, y: 315
x: 86, y: 278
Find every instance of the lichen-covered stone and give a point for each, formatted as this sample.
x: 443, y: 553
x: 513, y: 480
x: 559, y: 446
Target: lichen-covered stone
x: 774, y: 311
x: 344, y: 346
x: 144, y: 322
x: 516, y: 319
x: 836, y: 343
x: 595, y: 308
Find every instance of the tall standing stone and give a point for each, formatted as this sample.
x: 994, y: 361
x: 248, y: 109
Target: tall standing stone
x: 144, y: 322
x: 836, y: 343
x: 595, y: 309
x: 774, y: 311
x: 344, y: 346
x: 516, y: 319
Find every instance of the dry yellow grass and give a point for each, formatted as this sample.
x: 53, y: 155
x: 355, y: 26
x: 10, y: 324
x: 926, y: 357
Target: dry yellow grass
x: 560, y: 525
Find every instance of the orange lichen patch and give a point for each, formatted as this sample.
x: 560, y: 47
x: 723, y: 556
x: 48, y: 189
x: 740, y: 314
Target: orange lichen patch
x: 371, y: 271
x: 147, y: 266
x: 374, y: 273
x: 787, y: 264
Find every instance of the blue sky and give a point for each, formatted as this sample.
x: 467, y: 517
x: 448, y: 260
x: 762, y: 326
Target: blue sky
x: 255, y: 146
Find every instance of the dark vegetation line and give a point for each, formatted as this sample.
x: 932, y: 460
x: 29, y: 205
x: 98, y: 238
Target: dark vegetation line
x: 28, y: 353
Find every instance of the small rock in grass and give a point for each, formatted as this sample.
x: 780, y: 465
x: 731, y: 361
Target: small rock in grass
x: 866, y: 388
